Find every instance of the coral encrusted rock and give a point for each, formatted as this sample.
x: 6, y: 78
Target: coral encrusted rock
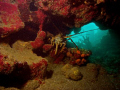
x: 20, y: 62
x: 72, y: 72
x: 9, y: 19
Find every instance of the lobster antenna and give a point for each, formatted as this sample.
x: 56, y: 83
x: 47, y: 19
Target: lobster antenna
x: 56, y: 27
x: 74, y: 43
x: 84, y: 32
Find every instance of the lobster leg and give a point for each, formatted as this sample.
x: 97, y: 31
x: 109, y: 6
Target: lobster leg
x: 56, y: 48
x: 63, y: 47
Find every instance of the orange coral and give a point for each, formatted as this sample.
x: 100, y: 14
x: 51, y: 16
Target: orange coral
x: 78, y: 61
x: 83, y: 61
x: 83, y: 55
x: 69, y: 54
x: 87, y: 54
x: 78, y: 57
x: 78, y: 52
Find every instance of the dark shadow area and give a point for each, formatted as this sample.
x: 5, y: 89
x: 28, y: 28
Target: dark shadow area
x: 39, y: 52
x: 17, y: 78
x: 55, y: 24
x: 75, y: 3
x: 49, y: 74
x: 28, y: 33
x: 11, y: 81
x: 32, y: 6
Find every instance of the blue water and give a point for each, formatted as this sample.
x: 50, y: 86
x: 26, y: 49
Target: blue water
x: 104, y: 46
x: 94, y: 36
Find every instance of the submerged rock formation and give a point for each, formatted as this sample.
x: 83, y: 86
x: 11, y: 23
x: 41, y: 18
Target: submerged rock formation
x: 63, y: 14
x: 19, y: 64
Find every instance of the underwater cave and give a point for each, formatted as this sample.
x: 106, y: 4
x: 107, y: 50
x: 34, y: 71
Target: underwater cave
x: 89, y: 31
x: 59, y: 44
x: 104, y: 46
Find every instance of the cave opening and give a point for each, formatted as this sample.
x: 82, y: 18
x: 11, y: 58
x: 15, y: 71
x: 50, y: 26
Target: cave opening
x: 87, y: 36
x: 104, y: 45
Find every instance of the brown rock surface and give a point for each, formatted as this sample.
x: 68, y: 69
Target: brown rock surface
x: 19, y: 64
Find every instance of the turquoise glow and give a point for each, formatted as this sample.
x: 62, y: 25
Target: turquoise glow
x: 94, y: 36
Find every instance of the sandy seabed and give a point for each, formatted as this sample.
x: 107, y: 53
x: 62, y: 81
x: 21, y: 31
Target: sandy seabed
x: 94, y: 77
x: 92, y: 80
